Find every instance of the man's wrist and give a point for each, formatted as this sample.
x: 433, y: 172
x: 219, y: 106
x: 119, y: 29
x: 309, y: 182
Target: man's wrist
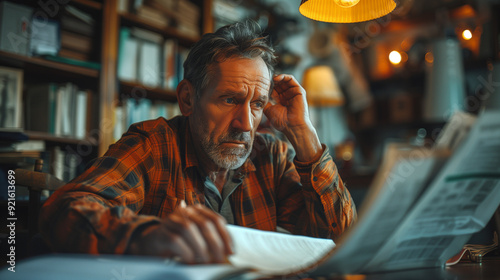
x: 306, y: 143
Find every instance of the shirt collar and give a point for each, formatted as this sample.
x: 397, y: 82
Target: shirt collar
x: 191, y: 160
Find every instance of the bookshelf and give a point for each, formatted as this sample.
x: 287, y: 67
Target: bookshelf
x: 107, y: 89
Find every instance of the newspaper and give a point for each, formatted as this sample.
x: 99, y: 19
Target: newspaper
x: 459, y: 202
x: 419, y: 214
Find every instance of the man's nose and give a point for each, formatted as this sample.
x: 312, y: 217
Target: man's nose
x: 242, y: 119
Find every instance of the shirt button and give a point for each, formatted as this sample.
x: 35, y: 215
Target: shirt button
x: 315, y: 178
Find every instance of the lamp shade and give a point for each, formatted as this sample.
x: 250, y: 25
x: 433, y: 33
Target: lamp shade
x: 345, y: 11
x: 445, y: 83
x: 321, y: 87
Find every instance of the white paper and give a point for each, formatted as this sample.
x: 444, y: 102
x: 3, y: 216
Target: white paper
x: 275, y: 253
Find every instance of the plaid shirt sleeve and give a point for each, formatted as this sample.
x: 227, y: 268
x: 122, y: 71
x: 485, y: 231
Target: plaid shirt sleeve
x: 322, y: 206
x: 103, y: 202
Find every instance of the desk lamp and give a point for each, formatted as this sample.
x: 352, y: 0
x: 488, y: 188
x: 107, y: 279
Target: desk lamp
x: 325, y: 100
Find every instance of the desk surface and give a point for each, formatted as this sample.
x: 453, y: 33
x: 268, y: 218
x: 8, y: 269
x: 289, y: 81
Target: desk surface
x: 489, y: 269
x: 85, y: 267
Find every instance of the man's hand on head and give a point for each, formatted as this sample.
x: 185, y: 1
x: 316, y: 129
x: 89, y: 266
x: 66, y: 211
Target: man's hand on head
x: 191, y: 234
x: 288, y: 112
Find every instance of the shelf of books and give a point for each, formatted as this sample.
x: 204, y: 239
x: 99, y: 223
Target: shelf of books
x: 154, y: 39
x: 50, y: 71
x: 78, y: 74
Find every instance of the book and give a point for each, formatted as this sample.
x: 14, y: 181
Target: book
x: 169, y: 65
x: 15, y: 20
x: 149, y: 64
x: 29, y: 145
x: 40, y: 110
x: 153, y: 16
x: 81, y: 119
x: 45, y: 37
x: 86, y: 64
x: 76, y: 25
x: 127, y: 56
x: 11, y: 84
x: 76, y: 42
x: 83, y: 16
x: 75, y: 55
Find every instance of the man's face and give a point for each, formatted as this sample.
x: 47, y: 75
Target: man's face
x: 226, y: 115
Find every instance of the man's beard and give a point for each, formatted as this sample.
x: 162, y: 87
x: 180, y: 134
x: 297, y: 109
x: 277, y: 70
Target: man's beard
x: 224, y: 157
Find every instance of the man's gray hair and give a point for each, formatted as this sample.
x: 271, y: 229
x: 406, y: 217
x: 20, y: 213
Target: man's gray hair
x: 242, y: 39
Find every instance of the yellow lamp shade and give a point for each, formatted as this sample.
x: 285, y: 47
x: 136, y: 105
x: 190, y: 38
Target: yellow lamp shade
x: 321, y: 87
x: 345, y: 11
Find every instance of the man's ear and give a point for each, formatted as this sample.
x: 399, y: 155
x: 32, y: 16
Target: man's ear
x: 185, y: 97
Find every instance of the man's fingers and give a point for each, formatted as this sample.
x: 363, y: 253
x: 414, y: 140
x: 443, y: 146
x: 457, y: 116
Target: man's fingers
x: 287, y: 87
x: 203, y: 230
x: 180, y: 223
x: 220, y: 226
x: 180, y: 249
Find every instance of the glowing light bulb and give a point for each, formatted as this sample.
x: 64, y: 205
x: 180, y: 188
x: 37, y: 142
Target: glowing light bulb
x: 395, y: 57
x: 346, y: 3
x: 466, y: 34
x: 429, y: 57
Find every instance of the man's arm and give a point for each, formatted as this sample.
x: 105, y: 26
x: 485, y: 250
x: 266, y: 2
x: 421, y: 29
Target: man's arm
x: 97, y: 212
x: 290, y: 115
x: 329, y: 208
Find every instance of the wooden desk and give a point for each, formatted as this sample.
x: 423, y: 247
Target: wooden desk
x: 489, y: 269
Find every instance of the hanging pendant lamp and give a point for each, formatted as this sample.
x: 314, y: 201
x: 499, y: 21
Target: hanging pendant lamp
x: 345, y: 11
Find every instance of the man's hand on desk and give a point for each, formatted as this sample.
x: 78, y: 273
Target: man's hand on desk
x: 194, y: 234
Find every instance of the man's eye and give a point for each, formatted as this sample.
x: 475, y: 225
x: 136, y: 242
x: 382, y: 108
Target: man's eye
x: 230, y: 100
x: 259, y: 104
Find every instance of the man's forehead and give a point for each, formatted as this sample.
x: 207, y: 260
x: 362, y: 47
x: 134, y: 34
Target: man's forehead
x: 235, y: 71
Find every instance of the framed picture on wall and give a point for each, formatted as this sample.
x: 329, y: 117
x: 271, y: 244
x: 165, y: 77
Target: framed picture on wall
x: 11, y: 86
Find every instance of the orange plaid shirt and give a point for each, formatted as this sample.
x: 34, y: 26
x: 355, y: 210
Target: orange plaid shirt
x: 153, y: 166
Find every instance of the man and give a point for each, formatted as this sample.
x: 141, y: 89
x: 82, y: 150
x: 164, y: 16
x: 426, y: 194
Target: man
x: 167, y: 188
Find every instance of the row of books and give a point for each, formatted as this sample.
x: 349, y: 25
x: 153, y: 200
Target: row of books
x: 147, y: 58
x: 59, y: 109
x: 137, y: 110
x: 63, y: 163
x: 68, y: 33
x: 182, y: 15
x: 77, y: 33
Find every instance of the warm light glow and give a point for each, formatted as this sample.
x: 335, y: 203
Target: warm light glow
x: 345, y: 11
x: 429, y: 57
x: 395, y: 57
x: 346, y: 3
x: 466, y: 34
x: 347, y: 156
x: 322, y: 88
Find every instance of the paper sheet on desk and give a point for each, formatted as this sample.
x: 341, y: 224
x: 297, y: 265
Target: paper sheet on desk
x: 459, y: 202
x: 275, y: 253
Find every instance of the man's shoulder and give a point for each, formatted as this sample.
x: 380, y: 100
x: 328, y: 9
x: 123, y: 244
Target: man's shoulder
x: 159, y: 126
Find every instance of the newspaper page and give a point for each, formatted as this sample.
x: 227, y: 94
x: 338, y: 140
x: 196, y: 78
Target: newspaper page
x: 274, y: 253
x: 456, y: 129
x: 458, y: 203
x: 404, y: 173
